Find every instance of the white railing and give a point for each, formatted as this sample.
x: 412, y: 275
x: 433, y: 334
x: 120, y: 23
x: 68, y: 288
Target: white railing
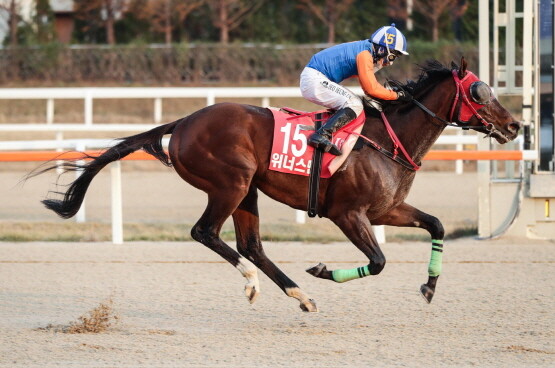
x: 157, y: 94
x: 89, y: 94
x: 116, y: 191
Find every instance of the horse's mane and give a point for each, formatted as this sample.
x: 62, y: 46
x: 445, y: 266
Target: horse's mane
x: 431, y: 73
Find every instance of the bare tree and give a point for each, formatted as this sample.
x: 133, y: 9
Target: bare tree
x: 329, y: 13
x: 228, y: 14
x: 397, y: 11
x: 433, y: 10
x: 164, y: 14
x: 457, y: 12
x: 13, y: 11
x: 103, y: 13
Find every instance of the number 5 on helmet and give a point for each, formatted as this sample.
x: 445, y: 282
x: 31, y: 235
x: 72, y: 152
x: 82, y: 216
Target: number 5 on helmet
x: 391, y: 38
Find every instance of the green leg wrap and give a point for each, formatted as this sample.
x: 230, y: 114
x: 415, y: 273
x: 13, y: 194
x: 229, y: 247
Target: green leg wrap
x: 434, y: 268
x: 348, y: 275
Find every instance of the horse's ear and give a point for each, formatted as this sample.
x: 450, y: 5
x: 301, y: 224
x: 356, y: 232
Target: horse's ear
x: 462, y: 69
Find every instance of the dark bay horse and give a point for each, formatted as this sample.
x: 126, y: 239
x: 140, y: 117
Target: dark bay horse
x: 224, y: 150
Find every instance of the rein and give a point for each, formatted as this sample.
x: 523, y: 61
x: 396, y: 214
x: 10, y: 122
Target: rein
x: 446, y: 122
x: 460, y: 98
x: 408, y: 163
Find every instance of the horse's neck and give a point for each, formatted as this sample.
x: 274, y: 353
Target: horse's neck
x: 419, y: 138
x: 417, y: 130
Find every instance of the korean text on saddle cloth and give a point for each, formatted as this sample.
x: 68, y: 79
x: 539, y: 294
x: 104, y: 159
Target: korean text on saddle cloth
x: 292, y: 155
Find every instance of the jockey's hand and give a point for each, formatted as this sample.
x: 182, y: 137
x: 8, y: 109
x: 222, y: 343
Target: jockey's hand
x: 404, y: 96
x: 393, y: 85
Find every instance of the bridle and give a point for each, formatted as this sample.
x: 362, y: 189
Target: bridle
x: 461, y: 103
x: 466, y: 110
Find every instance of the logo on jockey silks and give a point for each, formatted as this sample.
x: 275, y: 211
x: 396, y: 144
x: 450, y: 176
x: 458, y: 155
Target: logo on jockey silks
x: 335, y: 88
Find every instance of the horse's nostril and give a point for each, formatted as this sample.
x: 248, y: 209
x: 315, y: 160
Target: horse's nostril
x: 514, y: 127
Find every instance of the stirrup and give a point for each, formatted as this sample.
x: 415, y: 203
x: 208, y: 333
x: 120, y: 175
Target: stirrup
x: 333, y: 149
x: 320, y: 142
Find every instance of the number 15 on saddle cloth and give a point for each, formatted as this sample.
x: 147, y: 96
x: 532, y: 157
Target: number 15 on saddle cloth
x: 292, y: 155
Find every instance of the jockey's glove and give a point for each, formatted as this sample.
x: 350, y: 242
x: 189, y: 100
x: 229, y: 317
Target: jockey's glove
x: 404, y: 96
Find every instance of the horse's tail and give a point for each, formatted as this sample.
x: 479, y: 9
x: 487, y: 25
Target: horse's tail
x: 150, y: 141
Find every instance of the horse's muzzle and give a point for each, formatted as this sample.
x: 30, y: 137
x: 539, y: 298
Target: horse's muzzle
x: 514, y: 127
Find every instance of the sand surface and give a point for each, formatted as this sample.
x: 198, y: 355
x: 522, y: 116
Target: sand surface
x: 181, y: 305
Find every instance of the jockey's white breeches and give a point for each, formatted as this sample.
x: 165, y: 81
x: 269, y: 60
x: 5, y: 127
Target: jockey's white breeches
x: 317, y: 88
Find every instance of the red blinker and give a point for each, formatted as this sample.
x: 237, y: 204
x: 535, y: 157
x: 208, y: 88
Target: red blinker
x: 468, y: 107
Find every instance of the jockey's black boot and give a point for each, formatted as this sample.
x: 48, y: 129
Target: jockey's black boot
x: 321, y: 139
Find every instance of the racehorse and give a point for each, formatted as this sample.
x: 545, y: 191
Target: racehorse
x: 224, y: 150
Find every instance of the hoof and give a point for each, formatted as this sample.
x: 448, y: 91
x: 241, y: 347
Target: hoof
x: 320, y: 271
x: 316, y: 270
x: 309, y: 306
x: 427, y: 293
x: 251, y: 292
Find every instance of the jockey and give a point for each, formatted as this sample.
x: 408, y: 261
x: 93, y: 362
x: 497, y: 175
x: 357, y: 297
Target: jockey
x: 327, y: 68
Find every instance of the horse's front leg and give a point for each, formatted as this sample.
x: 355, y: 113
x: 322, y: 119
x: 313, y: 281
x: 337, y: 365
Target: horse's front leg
x: 246, y: 221
x: 356, y: 226
x: 405, y: 215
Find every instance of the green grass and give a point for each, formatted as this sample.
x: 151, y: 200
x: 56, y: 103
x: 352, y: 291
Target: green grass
x: 409, y: 237
x: 87, y: 232
x: 96, y: 232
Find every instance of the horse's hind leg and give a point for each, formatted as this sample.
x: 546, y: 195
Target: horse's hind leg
x: 356, y: 226
x: 246, y: 222
x: 207, y: 231
x: 405, y: 215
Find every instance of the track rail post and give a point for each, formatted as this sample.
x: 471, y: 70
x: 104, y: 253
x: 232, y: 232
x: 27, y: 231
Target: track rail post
x: 117, y: 213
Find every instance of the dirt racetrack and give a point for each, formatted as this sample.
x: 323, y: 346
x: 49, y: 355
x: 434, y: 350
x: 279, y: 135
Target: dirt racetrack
x: 180, y: 305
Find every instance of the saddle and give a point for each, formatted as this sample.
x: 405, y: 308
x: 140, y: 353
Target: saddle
x: 291, y: 154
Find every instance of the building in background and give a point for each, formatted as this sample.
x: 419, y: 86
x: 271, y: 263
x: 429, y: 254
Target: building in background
x: 64, y: 20
x: 63, y: 11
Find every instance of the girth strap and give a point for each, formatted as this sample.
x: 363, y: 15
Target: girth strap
x: 314, y: 178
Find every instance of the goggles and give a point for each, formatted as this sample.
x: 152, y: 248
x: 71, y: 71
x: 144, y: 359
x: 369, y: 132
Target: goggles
x: 387, y: 54
x: 390, y: 57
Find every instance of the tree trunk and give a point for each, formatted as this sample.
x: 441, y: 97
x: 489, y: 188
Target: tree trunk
x: 168, y: 33
x: 110, y: 35
x: 331, y: 32
x: 224, y: 27
x: 13, y: 23
x: 457, y: 29
x: 167, y: 22
x: 224, y: 34
x: 435, y: 31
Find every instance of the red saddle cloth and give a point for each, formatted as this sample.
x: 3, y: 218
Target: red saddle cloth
x: 290, y: 152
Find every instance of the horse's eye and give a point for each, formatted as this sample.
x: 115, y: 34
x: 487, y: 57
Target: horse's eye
x: 480, y: 93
